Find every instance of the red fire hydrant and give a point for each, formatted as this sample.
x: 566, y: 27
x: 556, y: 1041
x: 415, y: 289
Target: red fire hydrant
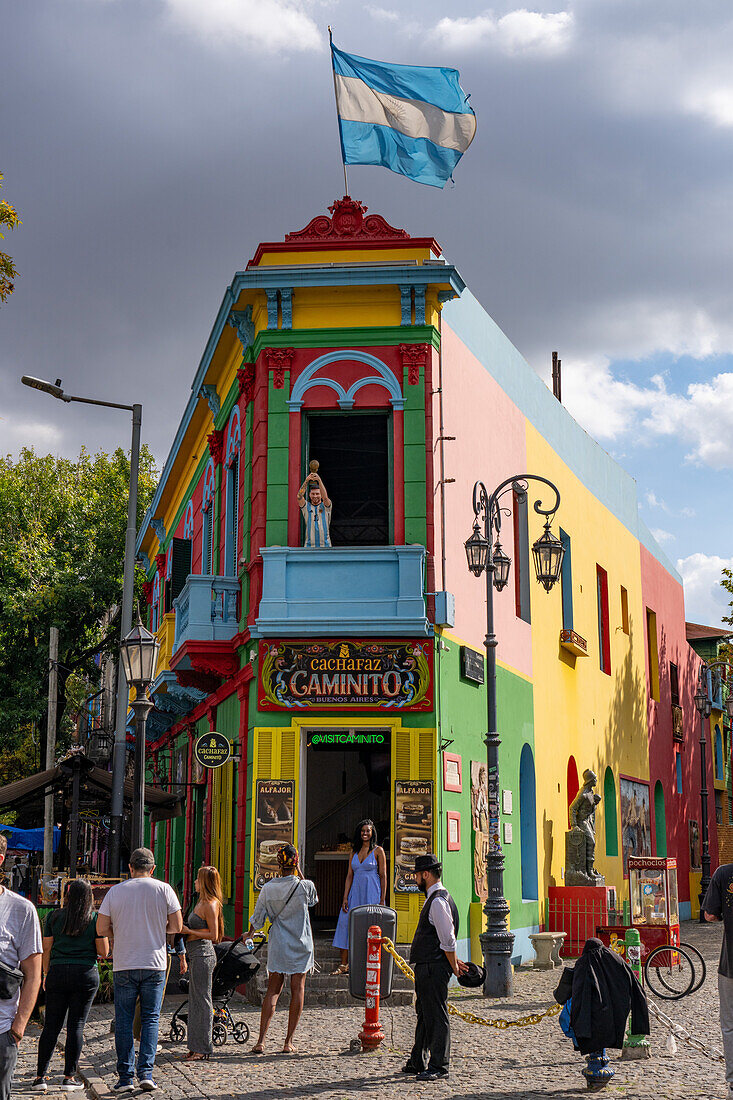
x: 371, y: 1034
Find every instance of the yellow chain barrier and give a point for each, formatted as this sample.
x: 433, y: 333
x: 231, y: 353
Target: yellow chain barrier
x: 471, y: 1017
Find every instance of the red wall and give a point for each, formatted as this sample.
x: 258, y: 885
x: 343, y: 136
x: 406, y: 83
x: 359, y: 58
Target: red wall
x: 663, y: 595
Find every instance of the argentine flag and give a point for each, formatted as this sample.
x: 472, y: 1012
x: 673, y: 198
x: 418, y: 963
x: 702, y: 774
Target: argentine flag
x: 412, y: 119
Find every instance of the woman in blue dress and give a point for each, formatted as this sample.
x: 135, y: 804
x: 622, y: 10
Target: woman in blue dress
x: 366, y: 884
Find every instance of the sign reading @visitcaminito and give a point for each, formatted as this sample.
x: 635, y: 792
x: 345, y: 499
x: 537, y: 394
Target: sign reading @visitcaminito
x: 349, y: 674
x: 212, y: 749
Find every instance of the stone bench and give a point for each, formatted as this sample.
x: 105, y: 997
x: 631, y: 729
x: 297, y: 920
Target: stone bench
x: 547, y: 947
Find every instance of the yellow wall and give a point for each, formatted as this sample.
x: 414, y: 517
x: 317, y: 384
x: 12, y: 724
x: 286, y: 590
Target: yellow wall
x: 579, y: 710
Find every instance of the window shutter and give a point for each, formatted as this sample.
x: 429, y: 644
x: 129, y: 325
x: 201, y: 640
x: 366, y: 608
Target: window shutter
x: 180, y: 568
x: 413, y: 757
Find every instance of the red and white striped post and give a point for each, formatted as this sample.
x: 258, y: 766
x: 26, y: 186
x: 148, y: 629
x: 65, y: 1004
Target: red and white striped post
x: 371, y: 1034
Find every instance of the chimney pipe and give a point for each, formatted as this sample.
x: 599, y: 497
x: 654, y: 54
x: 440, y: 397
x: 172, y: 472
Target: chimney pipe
x: 557, y: 377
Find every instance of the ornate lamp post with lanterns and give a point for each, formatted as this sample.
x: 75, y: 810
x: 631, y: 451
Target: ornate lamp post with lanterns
x: 139, y: 653
x: 483, y: 557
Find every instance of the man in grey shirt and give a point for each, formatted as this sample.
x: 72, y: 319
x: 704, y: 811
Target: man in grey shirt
x: 20, y: 949
x: 138, y: 914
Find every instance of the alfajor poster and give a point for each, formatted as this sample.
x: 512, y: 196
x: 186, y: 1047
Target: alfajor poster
x: 413, y: 829
x: 273, y: 826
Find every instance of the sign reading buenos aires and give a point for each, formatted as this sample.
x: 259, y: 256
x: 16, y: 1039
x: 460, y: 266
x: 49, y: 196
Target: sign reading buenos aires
x: 346, y: 674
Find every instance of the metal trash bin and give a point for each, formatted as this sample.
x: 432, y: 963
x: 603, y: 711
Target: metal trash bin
x: 360, y: 921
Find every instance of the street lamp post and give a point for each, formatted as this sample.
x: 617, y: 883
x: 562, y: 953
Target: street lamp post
x: 704, y: 708
x: 54, y: 389
x: 497, y: 941
x: 139, y: 654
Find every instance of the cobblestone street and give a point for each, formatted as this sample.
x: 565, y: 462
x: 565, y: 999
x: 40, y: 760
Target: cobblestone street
x: 523, y: 1063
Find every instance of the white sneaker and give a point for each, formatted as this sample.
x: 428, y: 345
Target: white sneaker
x: 70, y: 1084
x: 40, y: 1085
x: 148, y: 1085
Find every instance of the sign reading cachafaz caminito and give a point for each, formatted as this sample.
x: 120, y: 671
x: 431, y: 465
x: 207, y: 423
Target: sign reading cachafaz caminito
x: 348, y: 675
x: 212, y: 749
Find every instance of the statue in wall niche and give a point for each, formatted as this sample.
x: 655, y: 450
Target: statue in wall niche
x: 316, y: 510
x: 580, y: 841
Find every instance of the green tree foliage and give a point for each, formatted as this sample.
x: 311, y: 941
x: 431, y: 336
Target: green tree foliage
x: 727, y: 583
x: 9, y: 218
x: 62, y: 538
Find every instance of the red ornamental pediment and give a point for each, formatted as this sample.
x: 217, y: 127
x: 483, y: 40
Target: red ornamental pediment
x: 279, y: 360
x: 246, y: 382
x: 347, y: 222
x: 414, y: 356
x: 216, y: 445
x: 160, y: 564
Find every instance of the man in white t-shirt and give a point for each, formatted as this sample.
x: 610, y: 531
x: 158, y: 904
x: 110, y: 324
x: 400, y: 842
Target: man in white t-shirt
x: 20, y: 949
x: 138, y: 914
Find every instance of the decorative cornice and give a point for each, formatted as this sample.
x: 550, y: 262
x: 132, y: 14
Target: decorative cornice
x: 278, y: 360
x: 387, y: 336
x: 212, y: 398
x: 347, y: 223
x: 216, y: 445
x: 148, y: 591
x: 246, y: 382
x: 414, y: 356
x: 241, y: 322
x: 160, y: 564
x: 158, y: 526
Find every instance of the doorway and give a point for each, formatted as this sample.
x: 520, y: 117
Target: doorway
x: 347, y: 778
x: 354, y: 453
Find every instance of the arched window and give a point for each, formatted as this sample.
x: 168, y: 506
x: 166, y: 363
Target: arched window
x: 155, y: 610
x: 719, y: 768
x: 188, y: 521
x: 610, y: 814
x: 660, y: 820
x: 231, y: 534
x: 207, y: 507
x: 528, y: 824
x: 573, y: 782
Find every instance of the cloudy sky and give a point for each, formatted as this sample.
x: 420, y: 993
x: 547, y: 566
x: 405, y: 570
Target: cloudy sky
x: 150, y: 144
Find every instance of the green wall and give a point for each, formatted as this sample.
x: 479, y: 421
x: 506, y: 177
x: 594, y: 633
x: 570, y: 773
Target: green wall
x: 461, y: 706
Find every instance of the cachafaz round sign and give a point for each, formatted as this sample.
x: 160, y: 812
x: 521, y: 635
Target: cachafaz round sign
x: 212, y: 749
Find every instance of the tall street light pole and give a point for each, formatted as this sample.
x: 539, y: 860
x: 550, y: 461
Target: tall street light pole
x: 54, y: 389
x: 497, y: 941
x: 704, y: 705
x: 139, y: 654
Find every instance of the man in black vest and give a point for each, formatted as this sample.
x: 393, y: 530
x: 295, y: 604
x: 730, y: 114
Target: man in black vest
x: 433, y: 958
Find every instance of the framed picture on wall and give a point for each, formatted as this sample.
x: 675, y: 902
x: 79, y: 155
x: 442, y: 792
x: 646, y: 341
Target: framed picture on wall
x: 453, y: 830
x: 452, y: 772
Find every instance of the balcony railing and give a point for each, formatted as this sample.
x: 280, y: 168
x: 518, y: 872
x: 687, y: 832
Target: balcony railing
x: 343, y: 590
x: 206, y: 610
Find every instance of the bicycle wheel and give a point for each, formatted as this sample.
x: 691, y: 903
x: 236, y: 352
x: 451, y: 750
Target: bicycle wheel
x: 701, y: 969
x: 669, y: 972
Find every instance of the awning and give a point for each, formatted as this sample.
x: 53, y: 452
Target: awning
x: 161, y: 804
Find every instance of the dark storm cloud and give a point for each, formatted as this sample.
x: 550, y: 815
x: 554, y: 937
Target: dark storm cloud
x: 147, y: 159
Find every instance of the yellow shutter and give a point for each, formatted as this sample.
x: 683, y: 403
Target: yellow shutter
x: 413, y: 757
x: 222, y: 813
x: 276, y: 756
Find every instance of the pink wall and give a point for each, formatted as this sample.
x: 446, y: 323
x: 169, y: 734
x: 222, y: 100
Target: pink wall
x: 662, y: 594
x: 487, y: 447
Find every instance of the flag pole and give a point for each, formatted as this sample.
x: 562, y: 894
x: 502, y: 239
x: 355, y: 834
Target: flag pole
x: 335, y: 96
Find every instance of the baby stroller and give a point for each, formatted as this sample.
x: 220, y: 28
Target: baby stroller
x: 235, y: 964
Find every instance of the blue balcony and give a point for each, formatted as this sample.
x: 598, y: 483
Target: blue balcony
x: 373, y: 590
x: 206, y: 610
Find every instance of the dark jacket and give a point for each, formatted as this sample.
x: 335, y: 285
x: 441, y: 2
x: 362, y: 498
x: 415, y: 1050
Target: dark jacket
x: 604, y: 990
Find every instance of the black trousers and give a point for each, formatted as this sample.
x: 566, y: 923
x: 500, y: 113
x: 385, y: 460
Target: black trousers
x: 70, y: 987
x: 432, y: 1033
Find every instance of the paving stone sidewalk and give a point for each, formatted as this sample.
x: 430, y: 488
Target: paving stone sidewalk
x: 518, y: 1064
